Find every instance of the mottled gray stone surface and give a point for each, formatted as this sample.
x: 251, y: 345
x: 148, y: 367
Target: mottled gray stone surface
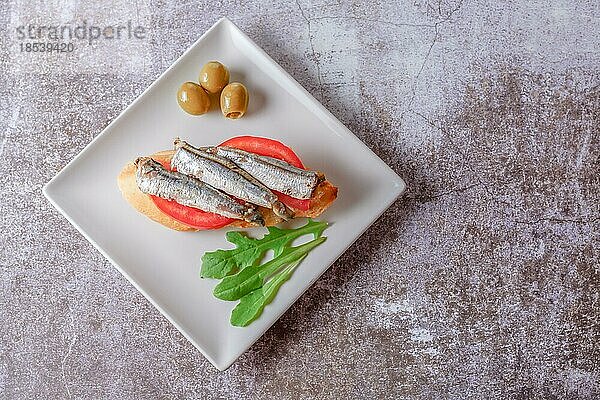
x: 481, y: 282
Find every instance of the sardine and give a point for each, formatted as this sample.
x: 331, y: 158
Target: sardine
x: 273, y: 173
x: 152, y: 178
x: 225, y: 175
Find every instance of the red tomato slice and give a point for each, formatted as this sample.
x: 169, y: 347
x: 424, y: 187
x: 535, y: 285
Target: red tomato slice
x: 298, y: 204
x: 271, y: 148
x: 265, y: 147
x: 189, y: 215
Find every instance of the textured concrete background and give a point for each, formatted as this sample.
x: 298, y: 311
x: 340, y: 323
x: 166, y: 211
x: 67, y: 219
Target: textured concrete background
x: 482, y: 282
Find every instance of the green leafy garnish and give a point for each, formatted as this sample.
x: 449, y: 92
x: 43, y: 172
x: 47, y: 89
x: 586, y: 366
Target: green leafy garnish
x: 251, y: 278
x: 252, y: 305
x: 220, y: 263
x: 253, y: 284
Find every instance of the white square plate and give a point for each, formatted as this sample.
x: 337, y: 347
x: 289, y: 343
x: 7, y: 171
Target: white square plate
x: 164, y: 264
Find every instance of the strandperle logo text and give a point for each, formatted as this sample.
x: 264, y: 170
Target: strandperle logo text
x: 61, y: 38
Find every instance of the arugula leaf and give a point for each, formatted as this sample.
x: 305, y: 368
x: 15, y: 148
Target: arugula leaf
x: 251, y: 278
x: 252, y: 305
x: 220, y: 263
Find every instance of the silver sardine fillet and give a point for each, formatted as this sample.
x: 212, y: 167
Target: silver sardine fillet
x: 152, y: 178
x: 273, y: 173
x: 225, y: 175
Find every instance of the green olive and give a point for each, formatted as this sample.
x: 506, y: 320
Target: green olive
x: 214, y: 76
x: 234, y: 100
x: 193, y: 99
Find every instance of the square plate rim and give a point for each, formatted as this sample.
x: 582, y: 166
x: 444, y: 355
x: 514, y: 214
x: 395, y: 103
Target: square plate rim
x: 47, y: 189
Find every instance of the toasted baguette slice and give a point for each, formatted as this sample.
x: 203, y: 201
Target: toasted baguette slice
x: 324, y: 194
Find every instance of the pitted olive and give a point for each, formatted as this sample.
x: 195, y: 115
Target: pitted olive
x: 193, y: 99
x: 234, y: 100
x: 214, y: 76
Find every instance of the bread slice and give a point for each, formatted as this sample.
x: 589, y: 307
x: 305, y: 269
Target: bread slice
x: 325, y: 193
